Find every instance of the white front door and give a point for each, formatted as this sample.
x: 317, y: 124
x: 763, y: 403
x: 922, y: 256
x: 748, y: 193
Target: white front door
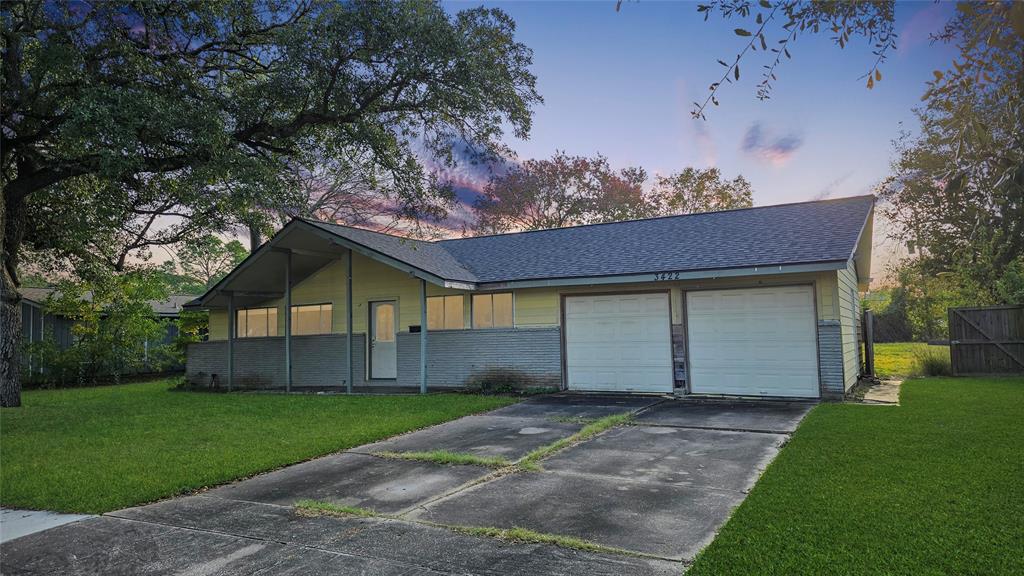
x: 753, y: 342
x: 618, y: 342
x: 383, y: 348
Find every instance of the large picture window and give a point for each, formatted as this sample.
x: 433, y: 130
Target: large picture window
x: 445, y: 313
x: 256, y: 323
x: 492, y: 310
x: 312, y: 319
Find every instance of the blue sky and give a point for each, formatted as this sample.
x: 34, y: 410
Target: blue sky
x: 623, y: 83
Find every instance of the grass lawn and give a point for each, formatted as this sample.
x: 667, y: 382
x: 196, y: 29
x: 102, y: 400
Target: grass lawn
x: 897, y: 358
x: 100, y: 449
x: 933, y: 486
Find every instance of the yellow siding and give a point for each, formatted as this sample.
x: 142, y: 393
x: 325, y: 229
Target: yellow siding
x: 371, y: 281
x: 848, y: 300
x: 534, y: 307
x: 541, y: 306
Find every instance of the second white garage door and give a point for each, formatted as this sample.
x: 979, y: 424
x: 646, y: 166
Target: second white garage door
x: 618, y: 342
x: 753, y: 342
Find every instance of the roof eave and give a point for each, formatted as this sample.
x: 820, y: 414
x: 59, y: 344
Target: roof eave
x: 669, y: 276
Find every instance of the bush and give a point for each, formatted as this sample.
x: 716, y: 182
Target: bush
x: 506, y: 381
x: 932, y: 362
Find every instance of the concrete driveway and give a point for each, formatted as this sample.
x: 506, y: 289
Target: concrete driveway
x: 658, y: 490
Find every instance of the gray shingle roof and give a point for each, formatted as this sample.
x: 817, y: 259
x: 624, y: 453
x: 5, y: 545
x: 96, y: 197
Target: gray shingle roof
x: 801, y: 233
x: 169, y: 307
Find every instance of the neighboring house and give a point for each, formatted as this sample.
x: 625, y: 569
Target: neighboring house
x: 752, y: 302
x: 38, y: 324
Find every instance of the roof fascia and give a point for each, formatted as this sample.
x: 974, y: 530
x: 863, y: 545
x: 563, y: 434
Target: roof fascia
x: 668, y: 276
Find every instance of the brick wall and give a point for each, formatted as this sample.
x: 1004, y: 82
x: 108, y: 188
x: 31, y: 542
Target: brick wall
x: 259, y: 362
x: 830, y: 358
x: 455, y: 357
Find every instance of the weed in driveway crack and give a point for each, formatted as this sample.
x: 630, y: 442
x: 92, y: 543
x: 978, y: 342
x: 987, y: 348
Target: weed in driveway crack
x: 319, y: 508
x: 531, y: 462
x: 448, y: 458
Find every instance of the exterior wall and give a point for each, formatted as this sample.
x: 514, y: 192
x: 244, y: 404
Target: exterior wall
x: 830, y: 358
x: 849, y: 319
x: 259, y: 362
x: 455, y: 357
x: 460, y: 357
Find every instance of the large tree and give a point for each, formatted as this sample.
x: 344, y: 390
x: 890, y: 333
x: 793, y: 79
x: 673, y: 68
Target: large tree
x: 561, y: 191
x: 128, y: 125
x: 695, y: 190
x: 957, y: 190
x: 207, y: 259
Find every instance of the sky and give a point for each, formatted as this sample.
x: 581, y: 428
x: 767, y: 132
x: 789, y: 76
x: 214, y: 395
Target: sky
x: 623, y: 84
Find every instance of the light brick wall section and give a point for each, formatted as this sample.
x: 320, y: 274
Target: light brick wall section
x: 455, y: 357
x: 830, y: 358
x: 259, y: 362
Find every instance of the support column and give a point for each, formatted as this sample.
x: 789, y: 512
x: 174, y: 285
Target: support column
x: 231, y: 339
x: 348, y: 321
x: 423, y: 336
x: 288, y: 322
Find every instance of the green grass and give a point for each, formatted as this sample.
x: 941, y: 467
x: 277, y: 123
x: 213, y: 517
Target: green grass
x: 317, y: 507
x: 896, y: 359
x: 100, y: 449
x: 933, y: 486
x: 449, y: 458
x: 532, y: 460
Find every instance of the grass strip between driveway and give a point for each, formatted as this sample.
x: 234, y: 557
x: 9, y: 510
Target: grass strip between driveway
x: 448, y: 458
x: 515, y: 534
x: 531, y: 462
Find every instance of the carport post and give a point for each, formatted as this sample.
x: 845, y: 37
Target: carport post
x: 288, y: 322
x: 348, y: 321
x: 423, y: 336
x: 231, y: 339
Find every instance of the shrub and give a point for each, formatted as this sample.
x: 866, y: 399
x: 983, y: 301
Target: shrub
x: 500, y: 381
x: 932, y: 362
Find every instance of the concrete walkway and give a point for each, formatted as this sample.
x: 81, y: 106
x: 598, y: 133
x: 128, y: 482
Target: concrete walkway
x: 18, y: 523
x: 658, y: 490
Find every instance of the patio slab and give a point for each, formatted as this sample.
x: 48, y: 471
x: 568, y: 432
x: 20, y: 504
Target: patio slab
x: 664, y: 520
x: 757, y: 416
x: 576, y: 406
x: 675, y: 456
x: 379, y: 484
x: 392, y: 541
x: 485, y: 435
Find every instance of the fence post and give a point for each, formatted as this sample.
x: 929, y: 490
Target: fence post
x: 869, y: 342
x: 952, y: 343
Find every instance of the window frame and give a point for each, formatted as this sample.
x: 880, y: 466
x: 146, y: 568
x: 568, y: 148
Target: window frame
x: 444, y: 310
x: 491, y: 295
x: 330, y: 319
x: 241, y: 334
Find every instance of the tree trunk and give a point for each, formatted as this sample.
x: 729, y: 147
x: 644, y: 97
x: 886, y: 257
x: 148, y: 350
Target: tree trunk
x: 12, y: 220
x: 254, y: 238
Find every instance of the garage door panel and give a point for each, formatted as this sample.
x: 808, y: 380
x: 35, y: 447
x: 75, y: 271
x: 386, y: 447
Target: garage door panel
x: 619, y: 342
x: 756, y: 342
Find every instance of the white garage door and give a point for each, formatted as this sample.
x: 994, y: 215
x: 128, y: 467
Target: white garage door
x: 619, y: 342
x: 753, y: 342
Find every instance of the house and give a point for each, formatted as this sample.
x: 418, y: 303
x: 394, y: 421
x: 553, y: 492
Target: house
x: 38, y: 323
x: 753, y: 302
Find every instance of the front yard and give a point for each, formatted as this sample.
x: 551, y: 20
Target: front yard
x: 933, y: 486
x: 100, y: 449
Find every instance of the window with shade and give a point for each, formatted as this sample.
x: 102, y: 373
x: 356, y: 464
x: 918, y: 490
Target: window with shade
x: 445, y: 313
x: 312, y: 319
x: 256, y: 323
x: 492, y: 310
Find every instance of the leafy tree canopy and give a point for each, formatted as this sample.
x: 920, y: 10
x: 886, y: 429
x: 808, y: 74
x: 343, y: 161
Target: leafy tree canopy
x: 129, y: 125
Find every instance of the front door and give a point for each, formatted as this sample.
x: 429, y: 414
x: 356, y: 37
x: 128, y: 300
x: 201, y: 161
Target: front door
x: 383, y: 348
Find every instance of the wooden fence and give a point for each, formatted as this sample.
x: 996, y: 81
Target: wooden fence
x: 987, y: 340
